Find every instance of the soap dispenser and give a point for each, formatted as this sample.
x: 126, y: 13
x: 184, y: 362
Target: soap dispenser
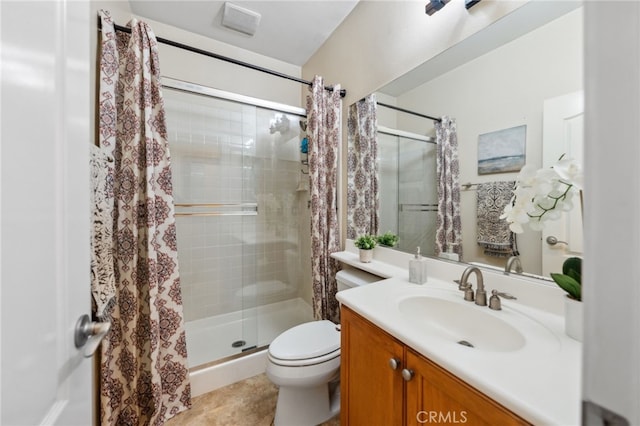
x: 418, y: 269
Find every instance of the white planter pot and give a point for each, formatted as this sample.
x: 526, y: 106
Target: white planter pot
x: 366, y: 255
x: 573, y: 318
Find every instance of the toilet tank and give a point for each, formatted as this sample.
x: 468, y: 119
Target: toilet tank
x: 349, y: 278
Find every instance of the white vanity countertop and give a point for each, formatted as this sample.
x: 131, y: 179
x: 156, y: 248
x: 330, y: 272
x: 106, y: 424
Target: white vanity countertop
x: 540, y: 382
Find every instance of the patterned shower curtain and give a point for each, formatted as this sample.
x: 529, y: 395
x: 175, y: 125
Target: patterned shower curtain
x: 363, y: 201
x: 323, y: 131
x: 143, y: 370
x: 448, y: 223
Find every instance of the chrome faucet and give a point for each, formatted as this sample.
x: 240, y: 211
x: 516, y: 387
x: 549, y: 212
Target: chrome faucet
x: 481, y: 294
x: 513, y: 260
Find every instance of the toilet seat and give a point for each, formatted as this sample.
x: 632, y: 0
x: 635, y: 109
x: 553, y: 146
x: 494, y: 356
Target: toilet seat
x: 306, y: 344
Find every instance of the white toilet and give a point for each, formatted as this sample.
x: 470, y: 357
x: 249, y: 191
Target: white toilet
x: 304, y: 362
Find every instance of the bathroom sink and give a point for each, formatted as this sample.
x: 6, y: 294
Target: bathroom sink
x: 462, y: 322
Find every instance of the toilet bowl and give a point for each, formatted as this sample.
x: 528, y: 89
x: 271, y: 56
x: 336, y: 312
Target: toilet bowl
x: 304, y: 362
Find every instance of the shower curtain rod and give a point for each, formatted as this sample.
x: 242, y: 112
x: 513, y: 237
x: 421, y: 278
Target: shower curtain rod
x: 343, y: 92
x: 409, y: 112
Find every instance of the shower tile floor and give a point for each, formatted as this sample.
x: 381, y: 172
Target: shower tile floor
x: 250, y: 402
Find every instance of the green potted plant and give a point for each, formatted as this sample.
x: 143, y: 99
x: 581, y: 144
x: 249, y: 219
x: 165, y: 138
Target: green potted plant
x: 388, y: 239
x: 570, y: 280
x: 366, y: 244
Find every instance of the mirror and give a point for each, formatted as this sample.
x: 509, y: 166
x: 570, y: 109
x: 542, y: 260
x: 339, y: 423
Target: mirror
x: 498, y: 79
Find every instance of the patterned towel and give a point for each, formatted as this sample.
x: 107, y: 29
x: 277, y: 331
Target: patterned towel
x: 102, y: 201
x: 494, y: 234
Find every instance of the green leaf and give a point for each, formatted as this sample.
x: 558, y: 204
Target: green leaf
x: 568, y: 284
x: 365, y: 242
x: 575, y: 275
x: 573, y: 268
x: 388, y: 239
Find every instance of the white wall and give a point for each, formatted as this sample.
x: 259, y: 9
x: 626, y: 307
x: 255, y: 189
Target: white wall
x: 502, y: 89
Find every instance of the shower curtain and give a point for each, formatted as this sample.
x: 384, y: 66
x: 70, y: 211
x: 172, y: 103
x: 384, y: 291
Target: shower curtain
x: 363, y: 198
x: 143, y: 371
x: 448, y: 222
x: 323, y: 131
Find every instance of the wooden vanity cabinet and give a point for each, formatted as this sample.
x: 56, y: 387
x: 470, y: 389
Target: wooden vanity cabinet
x: 371, y: 392
x: 374, y: 393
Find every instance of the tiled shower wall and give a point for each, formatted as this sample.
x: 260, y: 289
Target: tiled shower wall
x: 224, y: 152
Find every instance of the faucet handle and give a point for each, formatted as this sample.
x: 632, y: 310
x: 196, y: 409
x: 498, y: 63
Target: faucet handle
x: 468, y: 293
x: 505, y: 295
x: 468, y: 290
x: 462, y: 287
x: 494, y: 300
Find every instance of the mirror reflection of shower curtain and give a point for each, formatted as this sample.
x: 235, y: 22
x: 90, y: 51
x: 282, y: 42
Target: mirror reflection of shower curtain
x: 363, y: 215
x: 449, y: 225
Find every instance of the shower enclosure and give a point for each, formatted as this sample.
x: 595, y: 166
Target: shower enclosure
x: 408, y: 188
x: 236, y: 174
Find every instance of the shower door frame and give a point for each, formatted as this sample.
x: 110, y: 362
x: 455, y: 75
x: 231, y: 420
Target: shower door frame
x: 406, y: 208
x: 196, y: 89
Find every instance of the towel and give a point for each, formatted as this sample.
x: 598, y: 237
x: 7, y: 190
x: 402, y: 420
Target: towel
x: 103, y: 280
x: 494, y: 235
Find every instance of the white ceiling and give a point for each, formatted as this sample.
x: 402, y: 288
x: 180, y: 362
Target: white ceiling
x: 289, y: 30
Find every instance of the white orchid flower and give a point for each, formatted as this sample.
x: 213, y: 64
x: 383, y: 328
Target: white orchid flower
x: 541, y: 195
x: 570, y: 171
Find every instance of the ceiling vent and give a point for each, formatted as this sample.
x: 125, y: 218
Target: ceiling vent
x: 240, y: 19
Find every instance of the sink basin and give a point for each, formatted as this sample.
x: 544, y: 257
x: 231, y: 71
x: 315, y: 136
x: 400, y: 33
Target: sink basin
x: 462, y: 322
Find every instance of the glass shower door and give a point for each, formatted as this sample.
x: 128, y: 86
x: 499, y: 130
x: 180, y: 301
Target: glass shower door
x: 212, y: 142
x: 239, y: 196
x: 417, y: 195
x: 408, y: 192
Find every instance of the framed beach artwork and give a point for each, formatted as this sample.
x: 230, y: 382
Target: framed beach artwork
x: 502, y: 151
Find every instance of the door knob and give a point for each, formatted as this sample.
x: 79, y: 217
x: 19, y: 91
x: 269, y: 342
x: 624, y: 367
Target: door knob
x: 88, y: 334
x: 552, y: 241
x: 407, y: 374
x: 394, y: 363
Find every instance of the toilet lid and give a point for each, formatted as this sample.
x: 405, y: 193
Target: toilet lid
x: 308, y: 340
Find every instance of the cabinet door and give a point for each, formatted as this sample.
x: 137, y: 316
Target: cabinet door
x: 371, y: 390
x: 434, y: 396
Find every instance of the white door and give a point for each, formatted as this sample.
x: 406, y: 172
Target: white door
x: 562, y: 134
x: 611, y: 274
x: 44, y: 180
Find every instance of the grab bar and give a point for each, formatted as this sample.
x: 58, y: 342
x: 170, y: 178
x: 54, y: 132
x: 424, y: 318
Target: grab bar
x: 252, y: 212
x: 419, y: 207
x: 216, y: 205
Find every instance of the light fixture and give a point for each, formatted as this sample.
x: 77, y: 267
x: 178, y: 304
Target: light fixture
x: 470, y: 3
x: 240, y: 19
x: 434, y: 5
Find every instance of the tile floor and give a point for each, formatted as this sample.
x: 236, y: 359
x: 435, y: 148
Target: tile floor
x: 248, y: 402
